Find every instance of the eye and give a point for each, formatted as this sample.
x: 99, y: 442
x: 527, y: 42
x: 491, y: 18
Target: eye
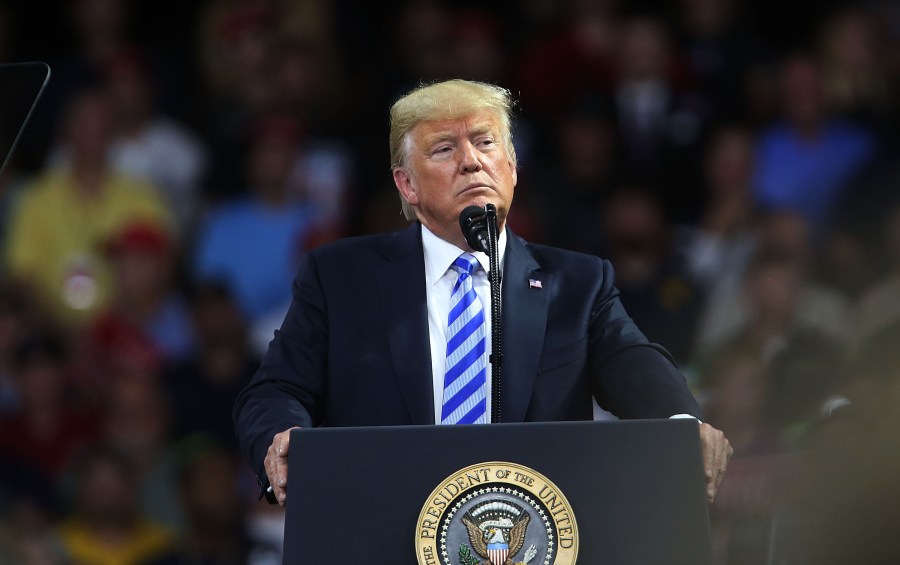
x: 485, y: 142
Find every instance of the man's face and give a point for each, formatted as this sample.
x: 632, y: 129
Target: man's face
x: 452, y: 164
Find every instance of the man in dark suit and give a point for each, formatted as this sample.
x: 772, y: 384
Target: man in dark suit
x: 367, y: 340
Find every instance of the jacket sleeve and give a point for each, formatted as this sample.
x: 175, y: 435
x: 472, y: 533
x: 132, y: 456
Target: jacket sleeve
x: 289, y: 387
x: 631, y: 376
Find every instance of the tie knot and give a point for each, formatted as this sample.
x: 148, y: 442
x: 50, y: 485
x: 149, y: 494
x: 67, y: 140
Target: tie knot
x: 466, y: 263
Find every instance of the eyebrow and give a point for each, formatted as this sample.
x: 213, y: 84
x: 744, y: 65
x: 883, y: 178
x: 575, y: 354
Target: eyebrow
x: 476, y: 130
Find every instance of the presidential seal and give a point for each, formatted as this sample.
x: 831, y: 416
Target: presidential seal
x: 496, y: 513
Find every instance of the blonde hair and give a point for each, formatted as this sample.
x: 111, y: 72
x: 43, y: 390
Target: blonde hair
x: 451, y: 99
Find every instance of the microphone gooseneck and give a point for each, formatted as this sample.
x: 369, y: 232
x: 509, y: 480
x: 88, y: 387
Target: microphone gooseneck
x: 479, y: 227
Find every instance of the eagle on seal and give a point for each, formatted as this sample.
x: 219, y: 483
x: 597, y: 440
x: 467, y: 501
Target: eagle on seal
x: 492, y: 543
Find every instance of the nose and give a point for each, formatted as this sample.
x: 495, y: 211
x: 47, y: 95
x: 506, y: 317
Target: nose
x: 470, y: 158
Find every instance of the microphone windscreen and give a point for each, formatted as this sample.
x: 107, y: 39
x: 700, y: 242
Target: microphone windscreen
x: 473, y: 223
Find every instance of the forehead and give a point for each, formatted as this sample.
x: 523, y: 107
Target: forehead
x: 478, y: 122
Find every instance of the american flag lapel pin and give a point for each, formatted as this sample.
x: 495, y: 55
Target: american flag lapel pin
x: 534, y: 283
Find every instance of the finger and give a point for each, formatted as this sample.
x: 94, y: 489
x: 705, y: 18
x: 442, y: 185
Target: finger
x: 281, y: 495
x: 726, y: 453
x: 272, y: 473
x: 723, y: 452
x: 282, y: 443
x: 281, y: 446
x: 281, y: 472
x: 712, y: 458
x: 269, y: 464
x: 712, y: 484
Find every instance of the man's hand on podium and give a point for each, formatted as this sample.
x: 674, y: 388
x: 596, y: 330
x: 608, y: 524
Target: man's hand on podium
x: 716, y: 454
x: 716, y: 449
x: 276, y: 464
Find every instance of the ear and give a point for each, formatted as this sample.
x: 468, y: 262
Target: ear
x: 514, y: 171
x: 405, y: 185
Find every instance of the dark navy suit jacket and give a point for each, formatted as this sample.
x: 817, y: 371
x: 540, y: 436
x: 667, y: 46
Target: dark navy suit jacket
x: 354, y: 347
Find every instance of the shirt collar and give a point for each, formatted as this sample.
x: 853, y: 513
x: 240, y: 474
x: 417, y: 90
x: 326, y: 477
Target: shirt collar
x: 440, y: 254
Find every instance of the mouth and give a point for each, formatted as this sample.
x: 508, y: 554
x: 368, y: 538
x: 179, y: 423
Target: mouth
x: 476, y: 187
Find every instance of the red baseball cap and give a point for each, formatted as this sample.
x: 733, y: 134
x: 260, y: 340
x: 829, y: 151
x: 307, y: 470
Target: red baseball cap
x: 143, y: 236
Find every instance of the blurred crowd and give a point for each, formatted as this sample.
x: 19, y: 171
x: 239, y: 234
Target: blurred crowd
x: 736, y: 161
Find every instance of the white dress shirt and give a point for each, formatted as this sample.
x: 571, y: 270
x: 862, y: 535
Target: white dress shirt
x: 439, y: 282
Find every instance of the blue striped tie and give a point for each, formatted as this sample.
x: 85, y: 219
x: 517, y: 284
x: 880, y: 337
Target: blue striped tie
x: 465, y: 379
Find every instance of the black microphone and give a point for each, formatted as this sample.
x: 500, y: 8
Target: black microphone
x: 479, y: 227
x: 473, y: 222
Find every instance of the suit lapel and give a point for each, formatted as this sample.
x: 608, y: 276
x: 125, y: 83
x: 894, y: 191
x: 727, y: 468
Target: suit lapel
x: 401, y: 285
x: 524, y: 322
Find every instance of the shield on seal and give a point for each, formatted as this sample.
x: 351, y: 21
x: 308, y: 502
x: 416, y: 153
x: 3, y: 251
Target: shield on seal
x: 498, y: 552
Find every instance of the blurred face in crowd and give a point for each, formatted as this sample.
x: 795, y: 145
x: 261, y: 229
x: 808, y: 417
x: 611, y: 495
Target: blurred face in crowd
x: 130, y: 92
x: 301, y: 74
x: 136, y: 418
x: 222, y: 337
x: 803, y: 94
x: 851, y: 42
x: 454, y: 163
x: 774, y: 290
x: 706, y: 17
x: 588, y: 145
x: 272, y: 157
x: 422, y: 33
x: 41, y: 384
x: 729, y: 166
x: 643, y: 55
x: 476, y: 51
x: 99, y: 17
x: 788, y: 232
x: 209, y: 494
x: 142, y: 259
x: 41, y: 380
x: 738, y: 395
x: 142, y: 273
x: 106, y: 493
x: 635, y: 230
x: 89, y: 128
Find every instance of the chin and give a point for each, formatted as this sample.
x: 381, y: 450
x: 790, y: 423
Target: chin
x: 481, y: 200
